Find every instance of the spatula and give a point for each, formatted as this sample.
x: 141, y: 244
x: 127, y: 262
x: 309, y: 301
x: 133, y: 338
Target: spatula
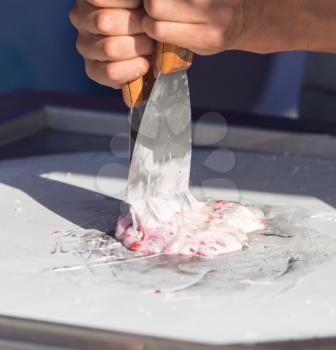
x: 160, y: 127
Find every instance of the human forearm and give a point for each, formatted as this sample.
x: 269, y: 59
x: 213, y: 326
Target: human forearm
x: 318, y: 31
x: 287, y: 25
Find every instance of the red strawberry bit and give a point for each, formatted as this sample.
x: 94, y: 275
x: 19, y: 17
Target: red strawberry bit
x: 263, y: 222
x: 192, y: 250
x: 200, y: 253
x: 135, y: 246
x: 202, y: 243
x: 157, y: 291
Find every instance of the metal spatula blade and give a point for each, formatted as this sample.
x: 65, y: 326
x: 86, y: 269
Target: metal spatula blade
x: 135, y: 117
x: 160, y: 164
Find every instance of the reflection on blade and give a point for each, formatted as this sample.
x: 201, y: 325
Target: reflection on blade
x: 135, y: 117
x: 162, y: 153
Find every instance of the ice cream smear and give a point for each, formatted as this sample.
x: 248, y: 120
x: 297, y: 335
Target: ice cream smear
x: 162, y: 220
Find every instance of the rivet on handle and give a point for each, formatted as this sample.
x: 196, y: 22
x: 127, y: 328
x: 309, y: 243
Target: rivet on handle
x: 184, y: 53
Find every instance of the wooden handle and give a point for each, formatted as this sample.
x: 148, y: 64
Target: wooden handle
x: 171, y: 58
x: 168, y: 59
x: 138, y: 91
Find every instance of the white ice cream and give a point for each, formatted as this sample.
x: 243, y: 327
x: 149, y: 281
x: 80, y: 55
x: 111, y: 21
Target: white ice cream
x: 213, y: 228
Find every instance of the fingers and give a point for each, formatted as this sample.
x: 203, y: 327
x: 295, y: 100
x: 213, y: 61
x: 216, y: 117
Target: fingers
x: 125, y: 4
x: 114, y: 48
x: 112, y: 40
x: 116, y: 74
x: 202, y: 39
x: 188, y: 11
x: 107, y: 21
x: 203, y: 26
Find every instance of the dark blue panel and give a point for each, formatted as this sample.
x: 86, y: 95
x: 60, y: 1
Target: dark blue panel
x: 37, y: 48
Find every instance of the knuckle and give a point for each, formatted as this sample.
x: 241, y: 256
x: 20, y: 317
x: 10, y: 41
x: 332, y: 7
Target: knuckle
x: 154, y: 8
x: 145, y: 66
x: 113, y: 73
x: 110, y: 47
x: 88, y: 70
x: 103, y: 21
x: 73, y: 15
x: 159, y: 31
x: 142, y: 67
x: 214, y: 40
x: 79, y: 45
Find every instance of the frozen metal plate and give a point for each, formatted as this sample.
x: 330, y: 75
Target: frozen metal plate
x: 60, y: 263
x: 55, y: 129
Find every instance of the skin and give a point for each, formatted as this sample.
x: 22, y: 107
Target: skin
x: 117, y: 37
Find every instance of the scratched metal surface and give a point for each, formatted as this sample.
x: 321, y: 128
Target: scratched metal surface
x: 59, y: 261
x: 278, y: 258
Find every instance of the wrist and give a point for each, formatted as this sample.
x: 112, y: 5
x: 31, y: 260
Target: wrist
x: 276, y: 27
x: 267, y: 26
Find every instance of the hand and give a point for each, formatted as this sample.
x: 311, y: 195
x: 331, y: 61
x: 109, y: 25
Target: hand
x: 204, y: 26
x: 111, y: 40
x: 262, y: 26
